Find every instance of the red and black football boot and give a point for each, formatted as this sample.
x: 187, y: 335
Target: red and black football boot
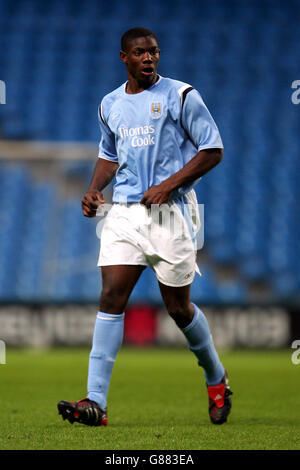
x: 219, y: 399
x: 84, y: 411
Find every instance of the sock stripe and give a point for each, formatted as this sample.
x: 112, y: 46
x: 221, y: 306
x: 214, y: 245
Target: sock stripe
x: 110, y: 318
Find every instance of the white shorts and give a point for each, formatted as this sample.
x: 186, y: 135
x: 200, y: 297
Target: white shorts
x: 159, y: 237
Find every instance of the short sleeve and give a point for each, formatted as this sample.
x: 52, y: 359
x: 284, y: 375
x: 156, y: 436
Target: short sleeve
x: 107, y: 148
x: 198, y: 122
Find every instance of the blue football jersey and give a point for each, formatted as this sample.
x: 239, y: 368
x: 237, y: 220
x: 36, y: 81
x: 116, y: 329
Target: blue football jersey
x: 153, y: 134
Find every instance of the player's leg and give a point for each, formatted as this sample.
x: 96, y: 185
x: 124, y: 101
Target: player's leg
x: 192, y: 322
x: 118, y: 282
x: 122, y: 262
x: 117, y: 285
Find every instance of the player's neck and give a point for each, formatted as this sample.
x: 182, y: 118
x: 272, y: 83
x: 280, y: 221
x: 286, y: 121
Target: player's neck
x: 133, y: 86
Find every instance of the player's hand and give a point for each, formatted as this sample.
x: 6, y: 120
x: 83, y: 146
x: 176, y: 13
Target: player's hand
x: 90, y: 202
x: 159, y: 194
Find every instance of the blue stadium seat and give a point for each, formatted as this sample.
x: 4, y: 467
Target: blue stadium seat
x: 146, y: 289
x: 233, y: 292
x: 204, y: 288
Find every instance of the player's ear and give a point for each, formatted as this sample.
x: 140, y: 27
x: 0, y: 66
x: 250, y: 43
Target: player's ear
x: 123, y: 56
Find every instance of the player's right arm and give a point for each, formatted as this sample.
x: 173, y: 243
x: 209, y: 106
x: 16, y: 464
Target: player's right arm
x: 103, y: 174
x: 105, y: 168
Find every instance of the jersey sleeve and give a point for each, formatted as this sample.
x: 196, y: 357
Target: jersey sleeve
x: 198, y: 122
x: 107, y: 148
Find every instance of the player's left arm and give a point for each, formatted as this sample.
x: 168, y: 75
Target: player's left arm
x: 202, y: 162
x: 203, y: 132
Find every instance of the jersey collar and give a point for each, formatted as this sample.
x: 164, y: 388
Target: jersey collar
x: 150, y: 88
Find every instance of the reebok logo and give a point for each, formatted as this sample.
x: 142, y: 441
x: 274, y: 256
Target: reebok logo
x: 115, y: 115
x: 188, y: 275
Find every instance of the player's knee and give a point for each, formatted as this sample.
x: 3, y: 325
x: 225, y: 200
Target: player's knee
x: 180, y: 314
x: 113, y: 300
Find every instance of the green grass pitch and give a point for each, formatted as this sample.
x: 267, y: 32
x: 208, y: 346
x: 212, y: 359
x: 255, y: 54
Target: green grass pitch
x: 157, y: 401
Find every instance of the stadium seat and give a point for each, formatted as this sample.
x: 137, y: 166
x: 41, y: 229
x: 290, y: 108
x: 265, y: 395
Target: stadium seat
x: 60, y: 58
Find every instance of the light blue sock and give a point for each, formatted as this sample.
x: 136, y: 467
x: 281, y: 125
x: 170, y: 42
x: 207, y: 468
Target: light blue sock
x: 107, y: 340
x: 201, y: 344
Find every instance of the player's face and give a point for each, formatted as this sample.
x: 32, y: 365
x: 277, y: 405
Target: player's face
x: 142, y: 59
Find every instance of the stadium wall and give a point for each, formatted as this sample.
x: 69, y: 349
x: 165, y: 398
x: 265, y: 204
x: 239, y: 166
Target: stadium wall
x: 72, y: 325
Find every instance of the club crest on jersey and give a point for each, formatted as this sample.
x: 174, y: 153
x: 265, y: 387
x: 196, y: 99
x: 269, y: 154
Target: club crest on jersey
x: 156, y: 110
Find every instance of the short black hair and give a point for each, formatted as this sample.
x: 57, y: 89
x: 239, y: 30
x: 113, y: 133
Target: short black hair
x: 135, y: 33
